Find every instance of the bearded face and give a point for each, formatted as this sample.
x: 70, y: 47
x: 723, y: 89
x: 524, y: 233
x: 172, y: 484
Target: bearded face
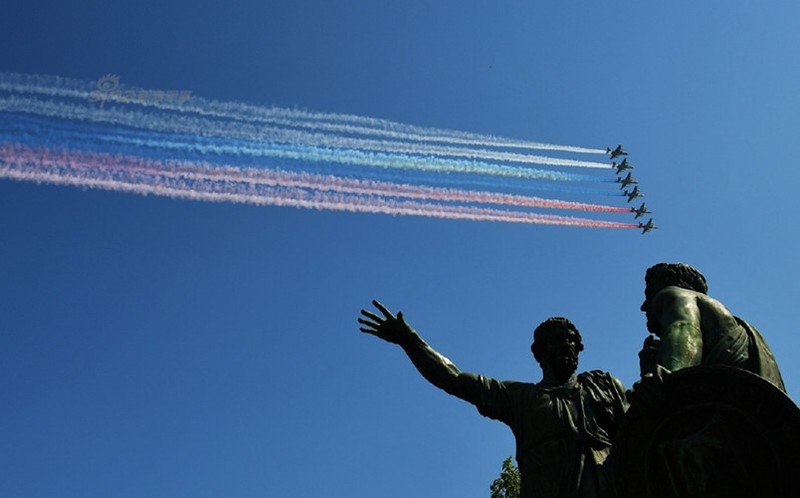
x: 652, y: 324
x: 561, y: 353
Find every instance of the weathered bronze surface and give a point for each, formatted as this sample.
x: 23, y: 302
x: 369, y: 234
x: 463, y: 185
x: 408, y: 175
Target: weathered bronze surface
x: 693, y: 328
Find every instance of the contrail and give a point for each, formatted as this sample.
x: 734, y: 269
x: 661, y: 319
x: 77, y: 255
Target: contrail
x: 64, y: 131
x: 340, y: 123
x: 179, y: 123
x: 205, y: 145
x: 44, y: 166
x: 277, y: 178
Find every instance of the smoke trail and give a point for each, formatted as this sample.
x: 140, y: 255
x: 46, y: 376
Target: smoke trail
x: 340, y: 123
x: 53, y: 130
x: 206, y: 145
x: 204, y: 127
x: 54, y: 168
x: 23, y: 129
x: 278, y: 178
x: 352, y: 204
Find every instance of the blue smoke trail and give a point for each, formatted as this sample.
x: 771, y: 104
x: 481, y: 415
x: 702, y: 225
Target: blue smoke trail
x: 87, y: 136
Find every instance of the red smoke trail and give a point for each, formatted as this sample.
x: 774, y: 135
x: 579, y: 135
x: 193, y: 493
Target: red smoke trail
x: 189, y: 181
x: 200, y: 171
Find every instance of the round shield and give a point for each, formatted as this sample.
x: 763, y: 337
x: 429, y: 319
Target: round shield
x: 715, y: 432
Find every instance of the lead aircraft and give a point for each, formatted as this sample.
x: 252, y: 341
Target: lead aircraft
x: 616, y: 152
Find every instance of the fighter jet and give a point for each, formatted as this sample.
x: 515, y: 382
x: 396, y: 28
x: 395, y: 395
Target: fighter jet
x: 616, y: 152
x: 626, y: 181
x: 633, y: 194
x: 622, y: 166
x: 640, y: 211
x: 646, y: 227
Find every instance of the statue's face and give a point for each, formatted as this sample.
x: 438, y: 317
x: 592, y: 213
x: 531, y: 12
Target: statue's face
x: 651, y: 289
x: 561, y: 352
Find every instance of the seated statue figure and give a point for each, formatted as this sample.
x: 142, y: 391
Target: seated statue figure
x: 692, y: 328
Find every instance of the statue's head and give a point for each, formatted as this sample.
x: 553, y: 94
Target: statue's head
x: 677, y: 274
x: 556, y: 344
x: 667, y: 274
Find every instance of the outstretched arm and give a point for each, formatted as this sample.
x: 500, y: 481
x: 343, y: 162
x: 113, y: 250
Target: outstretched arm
x: 681, y: 338
x: 437, y: 369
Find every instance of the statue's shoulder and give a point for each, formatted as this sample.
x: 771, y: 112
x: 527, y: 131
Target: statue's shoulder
x: 596, y: 377
x: 602, y: 386
x: 671, y: 294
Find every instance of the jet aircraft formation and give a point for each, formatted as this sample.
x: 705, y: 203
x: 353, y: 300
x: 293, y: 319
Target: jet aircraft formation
x: 625, y: 182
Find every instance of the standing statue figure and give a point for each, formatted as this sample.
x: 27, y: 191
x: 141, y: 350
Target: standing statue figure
x: 563, y: 425
x: 695, y: 329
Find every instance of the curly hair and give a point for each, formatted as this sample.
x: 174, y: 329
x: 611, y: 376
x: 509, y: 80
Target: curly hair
x: 677, y: 274
x: 542, y: 333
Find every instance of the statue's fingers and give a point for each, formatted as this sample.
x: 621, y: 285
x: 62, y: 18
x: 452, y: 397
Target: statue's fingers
x: 368, y: 323
x: 372, y: 316
x: 388, y: 314
x: 651, y: 342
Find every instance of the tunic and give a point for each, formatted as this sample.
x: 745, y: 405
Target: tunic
x: 563, y: 434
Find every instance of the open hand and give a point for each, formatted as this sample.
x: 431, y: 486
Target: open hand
x: 390, y: 328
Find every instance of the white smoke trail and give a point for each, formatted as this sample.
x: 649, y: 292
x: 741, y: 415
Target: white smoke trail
x: 316, y: 155
x: 178, y: 123
x: 340, y: 123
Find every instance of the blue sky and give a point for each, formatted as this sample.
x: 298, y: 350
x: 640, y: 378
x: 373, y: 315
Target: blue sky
x: 164, y: 348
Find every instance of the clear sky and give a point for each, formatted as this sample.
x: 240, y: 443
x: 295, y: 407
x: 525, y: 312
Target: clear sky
x: 152, y: 347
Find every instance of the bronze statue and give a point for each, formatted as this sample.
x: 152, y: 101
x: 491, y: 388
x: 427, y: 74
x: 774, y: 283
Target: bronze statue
x: 563, y: 425
x: 710, y: 416
x: 691, y: 328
